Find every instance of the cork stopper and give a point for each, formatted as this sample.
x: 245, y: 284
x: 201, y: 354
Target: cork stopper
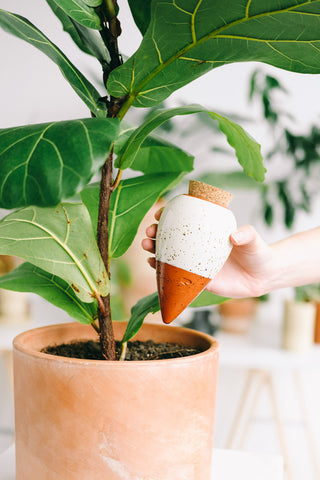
x: 210, y: 193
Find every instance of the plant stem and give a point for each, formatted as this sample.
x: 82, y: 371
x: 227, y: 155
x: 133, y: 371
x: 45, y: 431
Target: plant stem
x: 95, y: 327
x: 110, y: 30
x: 123, y: 351
x: 110, y: 8
x: 128, y: 101
x: 104, y: 311
x: 117, y: 179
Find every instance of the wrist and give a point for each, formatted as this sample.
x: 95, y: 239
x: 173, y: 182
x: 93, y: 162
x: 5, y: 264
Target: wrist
x: 275, y: 274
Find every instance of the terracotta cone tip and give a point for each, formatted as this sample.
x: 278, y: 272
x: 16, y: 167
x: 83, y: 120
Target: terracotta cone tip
x: 210, y: 193
x: 177, y: 288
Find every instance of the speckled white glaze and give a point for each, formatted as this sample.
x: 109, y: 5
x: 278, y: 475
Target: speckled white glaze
x: 193, y: 234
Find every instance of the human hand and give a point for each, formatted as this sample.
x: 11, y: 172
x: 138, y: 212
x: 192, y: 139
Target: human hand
x: 149, y: 244
x: 249, y: 270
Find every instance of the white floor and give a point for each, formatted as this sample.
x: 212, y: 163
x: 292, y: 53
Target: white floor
x: 295, y: 377
x: 262, y: 434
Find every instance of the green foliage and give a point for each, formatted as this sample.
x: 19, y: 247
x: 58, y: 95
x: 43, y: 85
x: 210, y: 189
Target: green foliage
x: 230, y: 180
x: 149, y: 304
x: 210, y: 33
x: 132, y: 200
x: 60, y: 241
x: 22, y: 28
x: 247, y: 150
x: 29, y: 278
x: 88, y: 40
x: 264, y: 86
x: 141, y: 12
x: 155, y: 154
x: 162, y: 159
x: 121, y: 280
x: 82, y: 11
x: 300, y: 153
x: 206, y: 298
x: 46, y: 163
x: 308, y: 293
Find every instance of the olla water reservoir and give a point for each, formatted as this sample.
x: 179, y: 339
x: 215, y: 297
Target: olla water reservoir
x: 192, y: 245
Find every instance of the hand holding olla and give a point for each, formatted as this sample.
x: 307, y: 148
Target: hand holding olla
x: 193, y: 244
x: 254, y: 267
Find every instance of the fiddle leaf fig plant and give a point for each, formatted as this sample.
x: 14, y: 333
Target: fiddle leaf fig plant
x: 68, y: 241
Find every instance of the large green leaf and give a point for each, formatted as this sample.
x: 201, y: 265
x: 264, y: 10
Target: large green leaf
x: 141, y: 12
x: 88, y: 40
x: 154, y: 155
x: 129, y: 203
x: 43, y: 164
x: 247, y: 149
x: 162, y: 159
x: 60, y: 241
x: 22, y: 28
x: 139, y: 311
x: 207, y: 298
x: 81, y: 11
x: 29, y: 278
x: 186, y: 39
x: 150, y: 304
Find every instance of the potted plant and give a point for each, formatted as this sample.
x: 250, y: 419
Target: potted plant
x: 71, y: 414
x: 300, y: 319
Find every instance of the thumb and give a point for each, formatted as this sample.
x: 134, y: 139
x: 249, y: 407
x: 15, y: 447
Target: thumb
x: 247, y: 239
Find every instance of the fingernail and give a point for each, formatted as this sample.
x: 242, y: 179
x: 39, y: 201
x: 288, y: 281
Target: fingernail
x: 238, y: 237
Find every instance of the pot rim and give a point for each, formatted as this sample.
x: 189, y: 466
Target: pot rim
x: 19, y: 344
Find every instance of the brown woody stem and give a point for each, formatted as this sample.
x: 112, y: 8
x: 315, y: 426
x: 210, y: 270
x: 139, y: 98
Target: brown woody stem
x: 110, y: 30
x: 104, y: 310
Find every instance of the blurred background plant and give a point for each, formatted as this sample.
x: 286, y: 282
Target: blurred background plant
x: 308, y: 293
x: 287, y: 190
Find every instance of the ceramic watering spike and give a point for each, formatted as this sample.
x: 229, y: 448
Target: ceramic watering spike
x: 192, y: 245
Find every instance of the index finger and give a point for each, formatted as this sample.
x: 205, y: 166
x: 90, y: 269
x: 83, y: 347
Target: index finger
x: 158, y: 213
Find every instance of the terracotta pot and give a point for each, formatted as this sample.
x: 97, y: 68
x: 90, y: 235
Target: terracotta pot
x: 86, y: 419
x: 317, y: 324
x: 237, y: 314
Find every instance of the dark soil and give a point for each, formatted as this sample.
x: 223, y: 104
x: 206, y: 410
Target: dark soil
x: 136, y: 350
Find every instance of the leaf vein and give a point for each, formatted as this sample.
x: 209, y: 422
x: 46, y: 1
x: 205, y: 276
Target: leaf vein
x: 179, y: 8
x: 113, y: 215
x: 24, y: 184
x: 193, y: 18
x: 65, y: 248
x: 134, y: 206
x: 247, y: 8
